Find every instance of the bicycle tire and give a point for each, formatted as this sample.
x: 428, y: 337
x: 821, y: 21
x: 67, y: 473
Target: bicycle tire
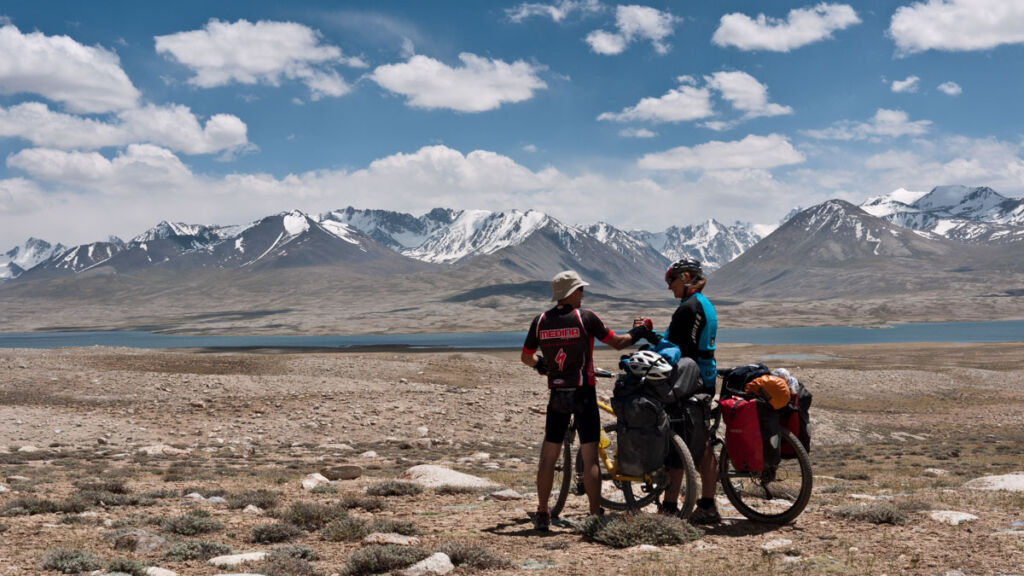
x: 747, y: 492
x: 636, y: 497
x: 563, y: 474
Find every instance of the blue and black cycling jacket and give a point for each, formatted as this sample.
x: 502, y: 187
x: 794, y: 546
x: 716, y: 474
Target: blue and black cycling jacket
x: 693, y: 329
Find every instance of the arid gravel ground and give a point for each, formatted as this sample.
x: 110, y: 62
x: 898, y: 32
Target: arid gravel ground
x: 905, y: 425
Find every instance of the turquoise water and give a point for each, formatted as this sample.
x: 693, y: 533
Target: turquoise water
x: 967, y: 332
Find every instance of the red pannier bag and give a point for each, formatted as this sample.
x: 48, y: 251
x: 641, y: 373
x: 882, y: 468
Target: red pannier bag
x: 796, y: 417
x: 742, y: 434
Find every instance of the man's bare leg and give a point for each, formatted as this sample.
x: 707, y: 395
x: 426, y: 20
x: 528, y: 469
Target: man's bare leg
x: 591, y: 476
x: 546, y: 473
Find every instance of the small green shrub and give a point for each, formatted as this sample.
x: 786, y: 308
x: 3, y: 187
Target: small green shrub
x: 873, y: 512
x: 3, y: 528
x: 196, y: 550
x: 114, y: 485
x: 301, y: 552
x: 265, y: 499
x: 133, y: 567
x: 386, y: 558
x: 191, y: 523
x: 472, y: 557
x: 280, y: 563
x: 627, y: 530
x: 108, y: 499
x: 394, y: 488
x: 70, y: 561
x: 159, y: 494
x: 345, y: 529
x: 274, y: 533
x: 29, y: 507
x: 403, y: 527
x: 350, y: 501
x: 450, y: 490
x: 852, y: 476
x: 311, y: 516
x: 324, y: 489
x: 913, y: 506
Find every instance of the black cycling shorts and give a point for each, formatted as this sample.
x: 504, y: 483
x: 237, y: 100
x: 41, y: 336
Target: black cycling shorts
x: 588, y: 420
x: 690, y: 420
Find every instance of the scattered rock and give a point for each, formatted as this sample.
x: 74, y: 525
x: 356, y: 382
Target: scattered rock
x: 391, y: 538
x: 438, y: 563
x: 154, y: 571
x: 643, y: 548
x: 216, y: 500
x: 952, y: 517
x: 935, y: 472
x: 348, y: 472
x: 194, y: 496
x: 1012, y: 482
x: 18, y: 479
x: 313, y: 480
x: 433, y: 476
x: 28, y: 449
x: 236, y: 559
x: 3, y: 488
x: 368, y: 454
x: 253, y: 509
x: 141, y: 541
x: 779, y: 546
x: 505, y: 495
x: 162, y: 450
x: 423, y: 431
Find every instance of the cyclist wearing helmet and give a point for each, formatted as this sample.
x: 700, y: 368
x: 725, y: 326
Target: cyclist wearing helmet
x: 693, y: 329
x: 565, y: 335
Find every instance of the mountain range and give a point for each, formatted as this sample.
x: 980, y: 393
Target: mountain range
x: 888, y: 244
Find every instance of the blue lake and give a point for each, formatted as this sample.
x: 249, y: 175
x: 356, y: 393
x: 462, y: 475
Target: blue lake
x: 967, y: 332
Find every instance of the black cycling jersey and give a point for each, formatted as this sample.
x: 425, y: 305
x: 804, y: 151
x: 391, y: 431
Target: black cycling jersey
x: 565, y: 336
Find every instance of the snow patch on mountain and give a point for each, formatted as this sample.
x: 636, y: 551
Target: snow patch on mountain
x: 960, y: 213
x: 711, y: 242
x: 20, y: 258
x: 475, y: 232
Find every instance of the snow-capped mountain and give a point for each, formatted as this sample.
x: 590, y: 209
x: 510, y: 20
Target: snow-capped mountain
x: 837, y: 248
x: 396, y: 230
x: 711, y: 242
x: 970, y: 215
x: 20, y: 258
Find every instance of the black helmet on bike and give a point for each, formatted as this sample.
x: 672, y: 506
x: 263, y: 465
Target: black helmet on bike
x: 684, y: 265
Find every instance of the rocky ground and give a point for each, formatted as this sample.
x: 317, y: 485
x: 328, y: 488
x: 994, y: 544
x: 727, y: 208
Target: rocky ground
x: 96, y: 443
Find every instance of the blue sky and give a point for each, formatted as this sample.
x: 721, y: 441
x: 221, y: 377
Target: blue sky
x: 116, y: 115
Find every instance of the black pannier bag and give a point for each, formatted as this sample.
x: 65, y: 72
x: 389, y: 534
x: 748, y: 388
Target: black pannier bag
x: 771, y: 437
x: 735, y: 380
x: 796, y: 417
x: 695, y: 413
x: 643, y: 430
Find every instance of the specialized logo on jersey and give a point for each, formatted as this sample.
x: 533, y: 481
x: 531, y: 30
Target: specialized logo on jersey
x: 560, y: 334
x: 560, y: 359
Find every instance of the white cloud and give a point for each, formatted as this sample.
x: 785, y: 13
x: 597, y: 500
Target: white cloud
x: 480, y: 84
x: 637, y: 133
x: 174, y: 127
x: 264, y: 52
x: 84, y: 79
x: 884, y: 124
x: 951, y: 88
x: 557, y: 11
x: 801, y: 27
x: 690, y: 102
x: 746, y: 94
x: 751, y: 153
x: 908, y: 85
x: 682, y: 104
x: 634, y: 23
x: 952, y: 160
x: 956, y: 25
x: 531, y: 148
x: 19, y: 196
x: 139, y: 166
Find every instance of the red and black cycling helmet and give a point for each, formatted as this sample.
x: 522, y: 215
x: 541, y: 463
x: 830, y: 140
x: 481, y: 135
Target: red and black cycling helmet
x: 684, y: 265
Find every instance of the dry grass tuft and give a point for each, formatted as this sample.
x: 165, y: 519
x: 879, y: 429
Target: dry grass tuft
x: 627, y: 530
x: 386, y: 558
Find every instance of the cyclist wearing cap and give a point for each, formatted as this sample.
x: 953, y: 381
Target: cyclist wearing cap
x: 565, y: 335
x: 693, y: 329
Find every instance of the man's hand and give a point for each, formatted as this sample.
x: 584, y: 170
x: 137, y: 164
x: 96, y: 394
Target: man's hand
x: 652, y: 336
x: 540, y: 366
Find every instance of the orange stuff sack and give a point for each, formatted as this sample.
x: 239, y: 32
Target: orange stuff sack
x: 775, y: 389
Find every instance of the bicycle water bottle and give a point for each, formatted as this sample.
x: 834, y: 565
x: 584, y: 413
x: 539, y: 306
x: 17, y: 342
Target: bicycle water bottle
x: 604, y: 442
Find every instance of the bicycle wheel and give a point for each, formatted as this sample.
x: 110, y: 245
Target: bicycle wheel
x: 635, y: 496
x: 772, y: 497
x: 563, y: 474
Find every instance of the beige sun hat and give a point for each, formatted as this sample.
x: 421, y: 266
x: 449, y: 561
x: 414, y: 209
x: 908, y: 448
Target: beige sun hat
x: 565, y: 283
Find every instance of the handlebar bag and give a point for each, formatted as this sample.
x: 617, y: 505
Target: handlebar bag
x: 735, y: 380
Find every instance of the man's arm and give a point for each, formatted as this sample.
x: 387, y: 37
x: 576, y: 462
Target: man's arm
x: 530, y: 358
